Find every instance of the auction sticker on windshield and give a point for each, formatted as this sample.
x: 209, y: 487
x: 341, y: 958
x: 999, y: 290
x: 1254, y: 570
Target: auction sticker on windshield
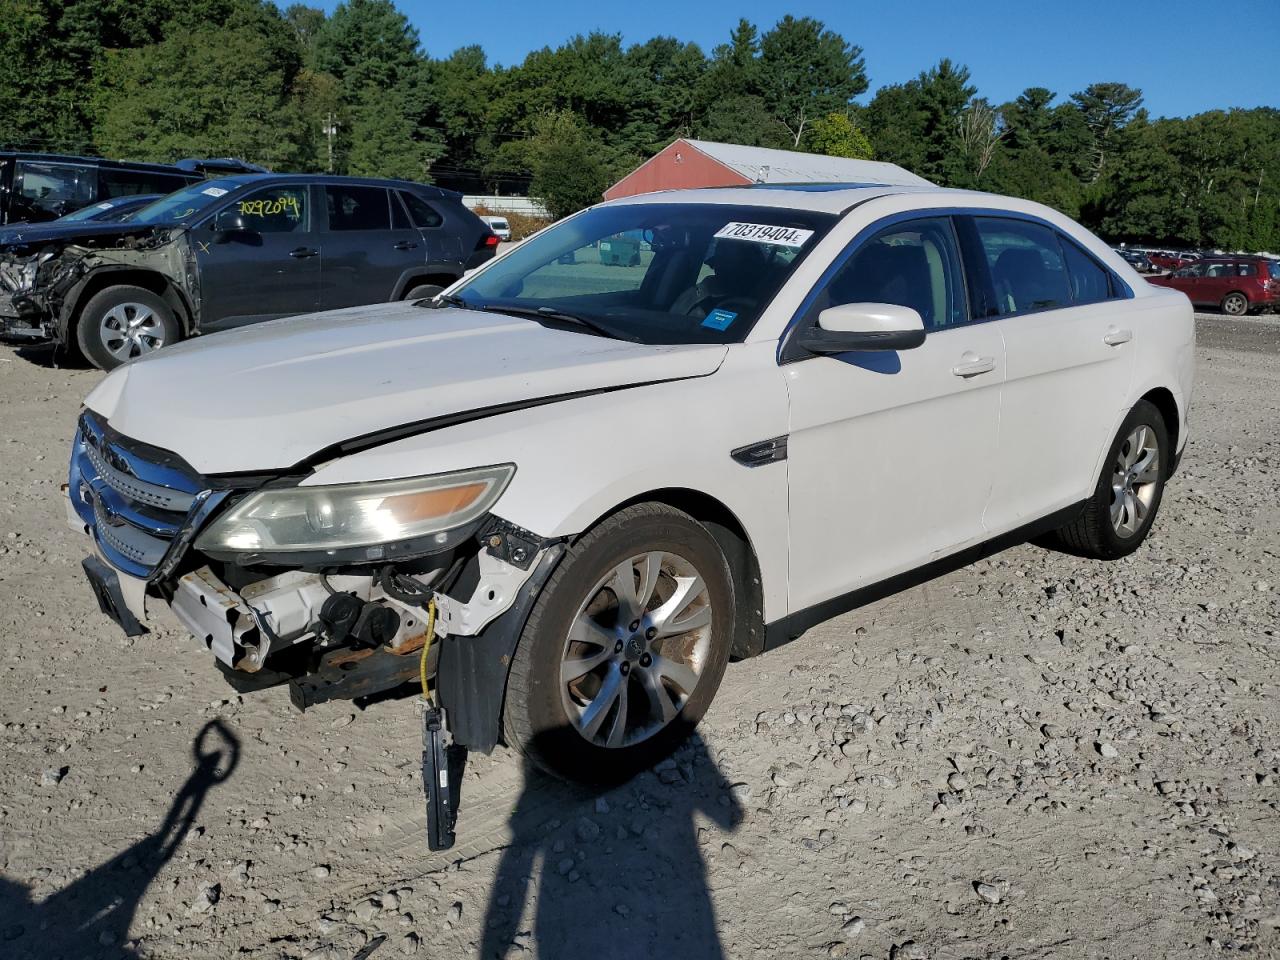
x: 765, y: 233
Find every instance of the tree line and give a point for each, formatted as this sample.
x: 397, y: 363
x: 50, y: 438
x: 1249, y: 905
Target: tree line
x: 353, y: 92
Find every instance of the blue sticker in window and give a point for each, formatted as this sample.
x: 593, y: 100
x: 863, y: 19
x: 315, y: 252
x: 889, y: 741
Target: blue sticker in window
x: 719, y: 319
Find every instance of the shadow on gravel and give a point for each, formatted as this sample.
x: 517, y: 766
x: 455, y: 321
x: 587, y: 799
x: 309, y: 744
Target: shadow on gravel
x: 618, y: 872
x: 95, y: 912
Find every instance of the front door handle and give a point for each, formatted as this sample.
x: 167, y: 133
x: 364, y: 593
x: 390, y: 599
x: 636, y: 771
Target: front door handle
x: 1116, y: 337
x: 301, y: 253
x: 404, y: 245
x: 972, y: 365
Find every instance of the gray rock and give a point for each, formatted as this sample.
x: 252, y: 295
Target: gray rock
x: 988, y: 892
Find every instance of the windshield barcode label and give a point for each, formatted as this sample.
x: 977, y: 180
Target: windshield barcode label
x: 765, y: 233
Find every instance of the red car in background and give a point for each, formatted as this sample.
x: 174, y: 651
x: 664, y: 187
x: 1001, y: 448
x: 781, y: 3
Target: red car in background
x: 1166, y: 260
x: 1238, y: 285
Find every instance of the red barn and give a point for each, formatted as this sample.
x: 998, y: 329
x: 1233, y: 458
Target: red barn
x: 702, y: 163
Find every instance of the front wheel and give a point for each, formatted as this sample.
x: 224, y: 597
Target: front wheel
x: 124, y: 322
x: 1235, y: 304
x: 1119, y: 514
x: 624, y: 649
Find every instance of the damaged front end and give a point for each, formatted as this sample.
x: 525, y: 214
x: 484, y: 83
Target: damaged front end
x: 236, y: 561
x: 42, y: 279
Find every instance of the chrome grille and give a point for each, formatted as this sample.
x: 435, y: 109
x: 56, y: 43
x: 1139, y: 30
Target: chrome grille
x: 136, y: 501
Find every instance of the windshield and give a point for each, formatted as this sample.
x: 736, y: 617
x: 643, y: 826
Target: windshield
x: 656, y: 273
x: 185, y: 203
x: 89, y: 213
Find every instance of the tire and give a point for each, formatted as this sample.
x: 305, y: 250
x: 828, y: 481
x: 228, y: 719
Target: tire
x: 422, y: 291
x: 549, y: 720
x: 1235, y: 304
x: 114, y: 310
x: 1096, y: 532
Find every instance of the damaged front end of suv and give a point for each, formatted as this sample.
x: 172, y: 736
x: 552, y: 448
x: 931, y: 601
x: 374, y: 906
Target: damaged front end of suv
x: 44, y: 279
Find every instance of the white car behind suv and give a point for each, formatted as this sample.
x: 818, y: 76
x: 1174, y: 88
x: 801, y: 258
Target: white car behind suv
x: 602, y: 483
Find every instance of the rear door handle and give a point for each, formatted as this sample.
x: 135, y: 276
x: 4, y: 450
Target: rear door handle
x: 404, y: 245
x: 301, y: 253
x: 971, y: 365
x: 1116, y: 337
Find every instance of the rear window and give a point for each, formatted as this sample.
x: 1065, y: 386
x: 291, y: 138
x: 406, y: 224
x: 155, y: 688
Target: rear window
x: 130, y: 183
x: 424, y: 215
x: 357, y: 208
x: 1090, y: 283
x: 1275, y: 269
x: 1026, y: 264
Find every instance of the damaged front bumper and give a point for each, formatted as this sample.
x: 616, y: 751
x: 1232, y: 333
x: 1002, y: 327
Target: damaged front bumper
x: 328, y: 633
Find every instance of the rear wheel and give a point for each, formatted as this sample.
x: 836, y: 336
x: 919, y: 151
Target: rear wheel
x: 124, y: 322
x: 1236, y: 304
x: 624, y: 649
x: 1117, y: 518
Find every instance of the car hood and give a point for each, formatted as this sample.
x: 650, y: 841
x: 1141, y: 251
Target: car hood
x: 270, y: 396
x: 89, y: 233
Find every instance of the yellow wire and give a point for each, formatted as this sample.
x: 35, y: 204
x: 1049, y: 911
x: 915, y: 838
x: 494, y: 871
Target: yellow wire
x: 426, y: 648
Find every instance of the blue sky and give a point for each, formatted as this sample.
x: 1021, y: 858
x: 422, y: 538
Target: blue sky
x: 1186, y: 55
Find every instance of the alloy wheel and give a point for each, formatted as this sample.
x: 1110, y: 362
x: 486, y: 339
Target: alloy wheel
x: 1134, y: 479
x: 129, y: 330
x: 636, y: 650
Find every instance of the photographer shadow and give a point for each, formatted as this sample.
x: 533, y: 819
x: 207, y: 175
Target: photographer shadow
x: 96, y: 910
x: 613, y: 873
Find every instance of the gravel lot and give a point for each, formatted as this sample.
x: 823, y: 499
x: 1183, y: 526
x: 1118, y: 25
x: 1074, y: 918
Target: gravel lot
x: 1035, y: 756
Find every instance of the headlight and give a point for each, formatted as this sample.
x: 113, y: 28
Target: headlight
x: 366, y: 517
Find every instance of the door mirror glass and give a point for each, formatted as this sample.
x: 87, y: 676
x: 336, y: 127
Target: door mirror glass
x: 866, y: 326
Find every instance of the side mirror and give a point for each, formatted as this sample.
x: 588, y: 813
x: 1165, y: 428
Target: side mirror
x: 865, y: 326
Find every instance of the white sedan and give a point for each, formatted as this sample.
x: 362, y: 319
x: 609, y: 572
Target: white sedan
x: 600, y: 478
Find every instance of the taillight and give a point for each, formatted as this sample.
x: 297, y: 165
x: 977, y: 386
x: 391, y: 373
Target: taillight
x: 490, y: 240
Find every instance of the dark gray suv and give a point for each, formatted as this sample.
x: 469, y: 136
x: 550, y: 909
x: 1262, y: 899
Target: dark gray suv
x: 235, y: 250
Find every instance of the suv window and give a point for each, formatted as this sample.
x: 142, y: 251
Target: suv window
x: 358, y: 208
x: 1246, y: 270
x: 1026, y: 265
x: 1275, y: 269
x: 270, y: 210
x: 424, y: 215
x: 1090, y: 282
x: 1195, y: 270
x: 913, y: 264
x: 129, y: 183
x: 47, y: 190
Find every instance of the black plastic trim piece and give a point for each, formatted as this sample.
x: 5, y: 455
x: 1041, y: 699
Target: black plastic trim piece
x: 773, y: 450
x: 471, y: 679
x: 793, y: 625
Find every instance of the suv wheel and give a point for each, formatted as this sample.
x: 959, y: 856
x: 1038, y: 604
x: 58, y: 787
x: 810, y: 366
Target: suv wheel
x: 1117, y: 518
x: 624, y: 649
x: 1236, y: 304
x: 121, y: 323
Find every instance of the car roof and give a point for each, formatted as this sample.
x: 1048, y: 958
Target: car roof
x: 336, y: 180
x: 92, y: 161
x: 815, y: 197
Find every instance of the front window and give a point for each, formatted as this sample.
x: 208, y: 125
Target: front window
x: 269, y: 210
x: 654, y: 273
x: 188, y: 202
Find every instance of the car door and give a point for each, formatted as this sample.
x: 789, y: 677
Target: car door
x: 1190, y: 280
x: 891, y: 454
x: 1069, y: 357
x: 366, y: 258
x: 258, y: 258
